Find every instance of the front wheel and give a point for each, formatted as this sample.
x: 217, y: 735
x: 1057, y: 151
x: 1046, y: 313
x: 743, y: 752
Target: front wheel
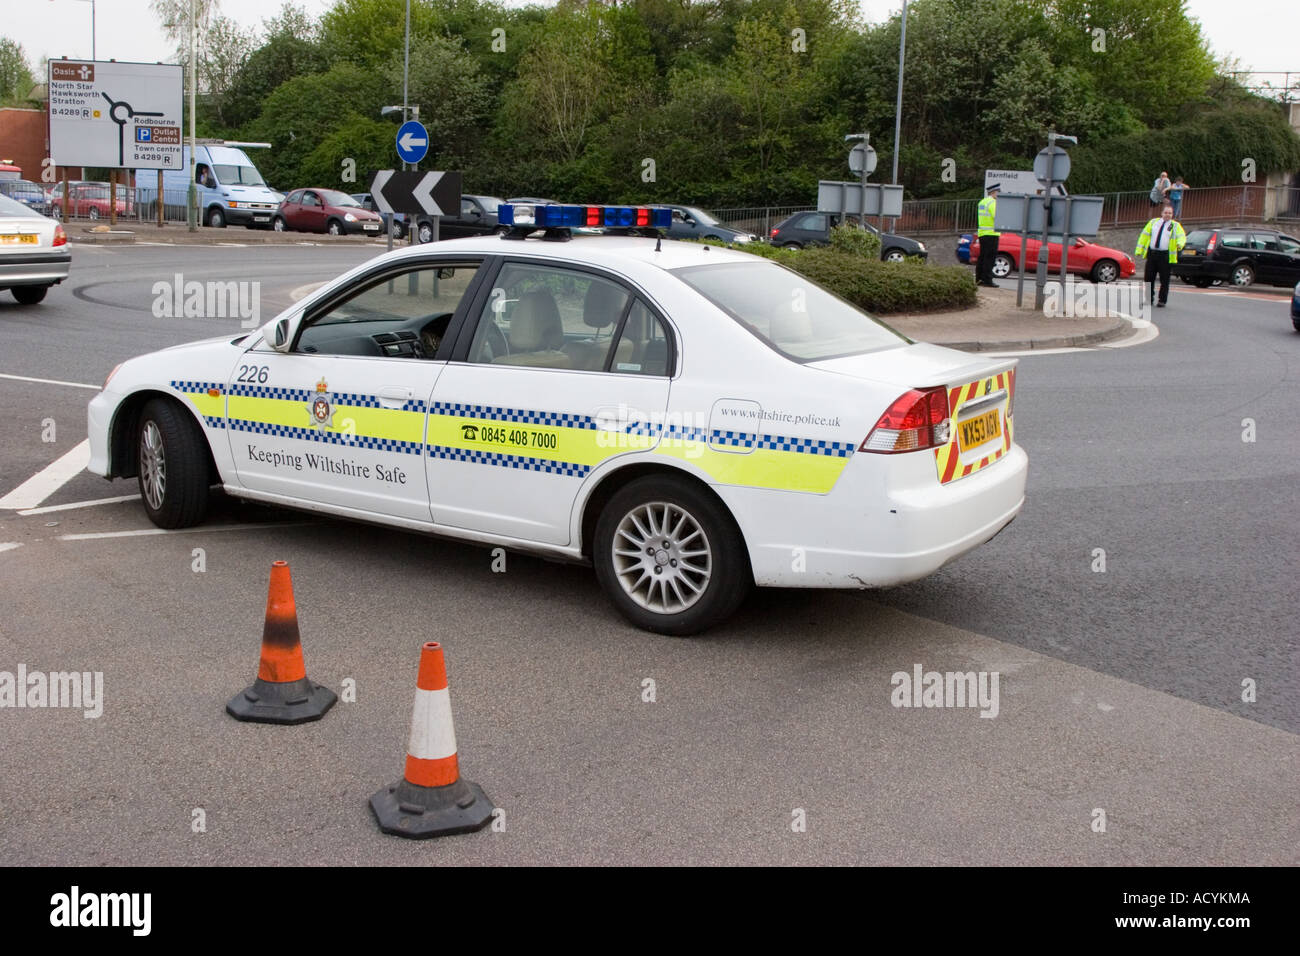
x: 1202, y: 283
x: 278, y: 224
x: 1243, y: 275
x: 424, y: 232
x: 335, y: 228
x: 1107, y: 270
x: 173, y: 466
x: 670, y: 557
x: 216, y: 218
x: 792, y: 245
x: 894, y: 255
x: 29, y: 294
x: 1002, y: 265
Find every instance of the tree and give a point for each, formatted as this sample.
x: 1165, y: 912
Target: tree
x: 451, y: 91
x: 16, y: 79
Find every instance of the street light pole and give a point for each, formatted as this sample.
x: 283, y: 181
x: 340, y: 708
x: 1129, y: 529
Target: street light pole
x: 92, y: 27
x: 898, y: 103
x: 192, y: 200
x: 406, y: 68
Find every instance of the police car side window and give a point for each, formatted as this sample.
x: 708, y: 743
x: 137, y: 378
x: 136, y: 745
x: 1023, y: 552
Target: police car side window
x: 643, y: 345
x: 397, y: 315
x: 542, y: 316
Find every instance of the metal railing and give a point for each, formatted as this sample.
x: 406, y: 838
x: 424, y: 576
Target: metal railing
x: 1218, y: 204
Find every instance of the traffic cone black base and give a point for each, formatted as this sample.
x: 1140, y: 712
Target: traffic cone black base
x: 293, y: 702
x: 405, y: 809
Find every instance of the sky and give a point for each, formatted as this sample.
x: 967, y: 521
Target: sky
x: 127, y: 30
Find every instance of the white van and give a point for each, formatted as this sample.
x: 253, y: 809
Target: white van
x: 230, y: 188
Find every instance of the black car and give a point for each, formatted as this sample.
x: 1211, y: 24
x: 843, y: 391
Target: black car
x: 477, y: 217
x: 1239, y: 255
x: 28, y: 193
x: 691, y: 222
x: 814, y: 229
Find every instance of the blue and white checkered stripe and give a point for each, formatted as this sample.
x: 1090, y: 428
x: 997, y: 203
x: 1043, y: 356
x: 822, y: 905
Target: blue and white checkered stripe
x: 267, y: 391
x: 523, y: 416
x: 509, y: 461
x: 213, y: 422
x: 194, y: 387
x: 328, y: 437
x: 806, y: 446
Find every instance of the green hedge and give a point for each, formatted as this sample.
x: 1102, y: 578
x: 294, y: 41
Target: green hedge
x: 851, y: 268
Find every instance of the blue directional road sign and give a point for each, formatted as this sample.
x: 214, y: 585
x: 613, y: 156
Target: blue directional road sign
x: 412, y: 142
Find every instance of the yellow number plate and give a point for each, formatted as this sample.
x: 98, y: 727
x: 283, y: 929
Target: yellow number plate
x: 28, y: 239
x: 977, y: 431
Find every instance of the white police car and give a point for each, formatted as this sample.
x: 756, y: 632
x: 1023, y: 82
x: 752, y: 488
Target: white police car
x: 692, y: 420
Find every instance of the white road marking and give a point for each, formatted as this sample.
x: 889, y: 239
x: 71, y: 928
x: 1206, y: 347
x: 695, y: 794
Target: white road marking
x: 48, y: 480
x: 10, y: 545
x: 51, y: 381
x: 150, y: 531
x: 73, y: 505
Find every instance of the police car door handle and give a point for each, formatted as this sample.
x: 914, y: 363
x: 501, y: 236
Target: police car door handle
x: 391, y: 396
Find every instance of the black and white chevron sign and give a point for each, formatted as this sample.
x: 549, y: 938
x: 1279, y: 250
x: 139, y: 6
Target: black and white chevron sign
x: 428, y: 194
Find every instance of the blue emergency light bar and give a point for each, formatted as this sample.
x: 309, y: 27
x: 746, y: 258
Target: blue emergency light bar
x: 579, y: 217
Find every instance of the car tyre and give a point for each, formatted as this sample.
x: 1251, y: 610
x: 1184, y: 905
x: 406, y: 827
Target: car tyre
x: 500, y: 230
x: 172, y: 461
x: 93, y: 213
x: 1002, y: 265
x: 399, y: 231
x: 1106, y: 270
x: 424, y: 232
x: 1242, y: 275
x: 791, y: 245
x: 334, y: 227
x: 279, y: 225
x: 894, y: 255
x: 1202, y: 283
x: 705, y: 571
x: 29, y: 294
x: 216, y: 218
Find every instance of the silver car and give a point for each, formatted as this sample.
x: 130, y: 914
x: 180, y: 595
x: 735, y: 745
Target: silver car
x: 33, y: 252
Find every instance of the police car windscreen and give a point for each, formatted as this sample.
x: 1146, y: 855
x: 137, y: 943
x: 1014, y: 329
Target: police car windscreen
x: 790, y: 313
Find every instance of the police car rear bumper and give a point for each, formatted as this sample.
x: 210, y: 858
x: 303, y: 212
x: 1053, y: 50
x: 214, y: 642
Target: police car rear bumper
x: 855, y: 537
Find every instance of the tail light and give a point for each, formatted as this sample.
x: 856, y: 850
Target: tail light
x: 773, y: 235
x: 1209, y: 246
x: 60, y: 237
x: 916, y: 420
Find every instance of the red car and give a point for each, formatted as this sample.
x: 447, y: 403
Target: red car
x: 1098, y: 263
x: 325, y: 210
x: 89, y: 199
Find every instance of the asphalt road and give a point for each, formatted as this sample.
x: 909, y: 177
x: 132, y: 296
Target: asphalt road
x: 1120, y: 690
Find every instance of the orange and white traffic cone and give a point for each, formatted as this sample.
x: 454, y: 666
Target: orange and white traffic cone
x: 282, y: 694
x: 431, y: 799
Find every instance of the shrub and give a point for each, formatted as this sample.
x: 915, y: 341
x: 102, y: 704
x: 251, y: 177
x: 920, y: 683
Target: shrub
x: 852, y: 270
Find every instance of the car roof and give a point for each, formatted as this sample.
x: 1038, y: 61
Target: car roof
x: 612, y: 252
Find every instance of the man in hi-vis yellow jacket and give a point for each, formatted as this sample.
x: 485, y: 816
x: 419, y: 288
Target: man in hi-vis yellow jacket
x: 1160, y: 242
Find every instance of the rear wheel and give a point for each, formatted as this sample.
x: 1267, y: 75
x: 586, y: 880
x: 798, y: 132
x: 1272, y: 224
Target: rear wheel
x: 1002, y: 265
x: 791, y: 245
x: 1242, y: 275
x: 1107, y: 270
x: 424, y: 232
x: 670, y: 557
x: 173, y: 466
x: 29, y: 294
x: 93, y: 213
x: 1202, y: 283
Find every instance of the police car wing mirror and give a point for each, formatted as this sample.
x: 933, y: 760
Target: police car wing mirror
x: 281, y: 335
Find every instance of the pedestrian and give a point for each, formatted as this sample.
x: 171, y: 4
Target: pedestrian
x: 1161, y: 241
x: 988, y: 238
x: 1160, y: 189
x: 1176, y: 196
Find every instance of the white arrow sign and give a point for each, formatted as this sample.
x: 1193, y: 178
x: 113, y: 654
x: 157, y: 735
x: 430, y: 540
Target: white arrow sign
x: 409, y: 141
x: 423, y: 194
